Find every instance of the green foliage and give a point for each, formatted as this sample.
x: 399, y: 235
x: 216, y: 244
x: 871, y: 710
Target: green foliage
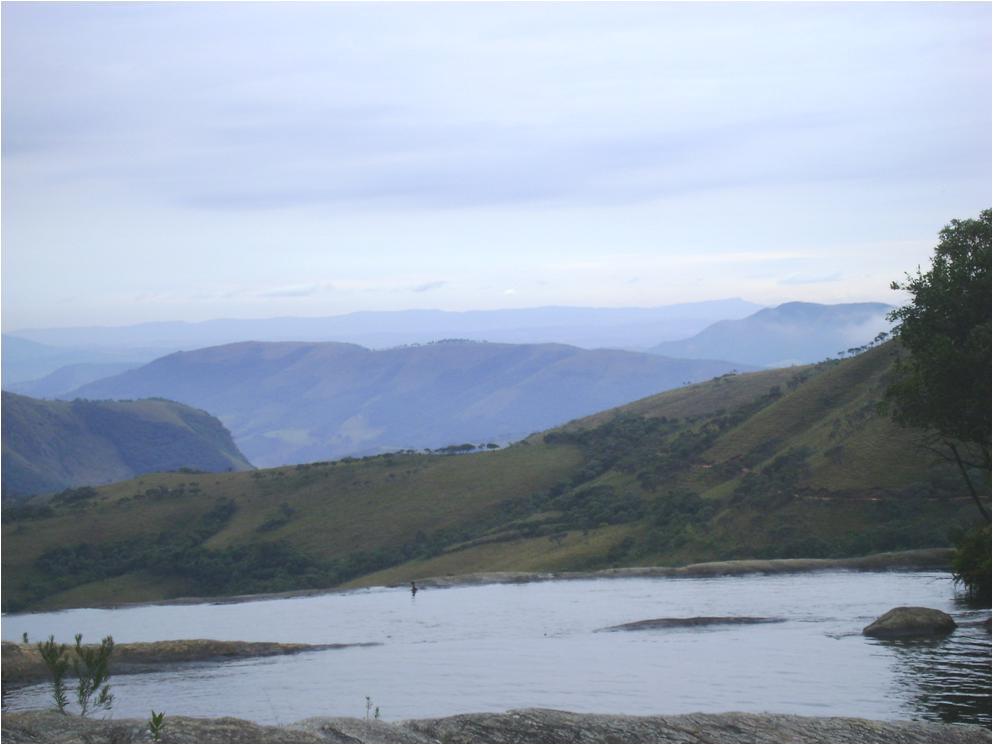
x: 971, y: 564
x: 90, y: 666
x: 776, y: 483
x: 55, y: 659
x: 944, y: 385
x: 155, y: 724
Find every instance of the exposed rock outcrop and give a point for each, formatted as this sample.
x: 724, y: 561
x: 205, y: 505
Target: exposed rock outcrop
x: 524, y: 725
x: 909, y: 621
x: 693, y: 622
x: 22, y: 663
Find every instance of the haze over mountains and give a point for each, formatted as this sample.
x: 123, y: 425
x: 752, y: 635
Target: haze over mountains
x: 33, y: 360
x: 581, y: 327
x: 51, y: 445
x: 291, y: 402
x: 789, y: 334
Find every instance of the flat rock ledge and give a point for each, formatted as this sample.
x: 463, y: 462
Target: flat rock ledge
x: 910, y: 621
x: 690, y: 623
x: 518, y: 726
x: 22, y: 663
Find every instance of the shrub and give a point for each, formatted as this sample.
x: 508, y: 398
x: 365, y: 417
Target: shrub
x: 971, y: 563
x: 90, y: 665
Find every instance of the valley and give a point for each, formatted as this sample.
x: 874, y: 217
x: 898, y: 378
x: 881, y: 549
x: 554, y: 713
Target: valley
x: 794, y: 462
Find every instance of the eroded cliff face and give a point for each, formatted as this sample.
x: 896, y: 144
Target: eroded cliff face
x: 525, y: 725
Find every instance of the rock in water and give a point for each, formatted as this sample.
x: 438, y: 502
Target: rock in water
x: 910, y: 621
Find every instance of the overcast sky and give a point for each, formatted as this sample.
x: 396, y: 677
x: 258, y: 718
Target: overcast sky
x: 192, y: 161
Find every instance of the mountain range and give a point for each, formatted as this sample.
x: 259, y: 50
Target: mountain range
x: 52, y: 445
x: 293, y: 402
x: 791, y: 462
x: 628, y: 328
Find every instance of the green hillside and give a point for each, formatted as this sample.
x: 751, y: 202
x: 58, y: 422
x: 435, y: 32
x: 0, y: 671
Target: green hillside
x: 52, y: 445
x: 784, y: 463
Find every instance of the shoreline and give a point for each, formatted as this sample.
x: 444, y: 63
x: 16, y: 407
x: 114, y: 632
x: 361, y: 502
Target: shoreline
x: 515, y: 726
x: 920, y: 559
x: 23, y: 666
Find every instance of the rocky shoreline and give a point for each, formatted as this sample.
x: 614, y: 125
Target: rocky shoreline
x: 22, y: 663
x: 518, y: 726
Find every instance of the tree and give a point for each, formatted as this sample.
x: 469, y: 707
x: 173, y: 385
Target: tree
x: 943, y: 385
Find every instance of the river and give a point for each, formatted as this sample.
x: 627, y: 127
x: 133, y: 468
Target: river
x: 497, y: 647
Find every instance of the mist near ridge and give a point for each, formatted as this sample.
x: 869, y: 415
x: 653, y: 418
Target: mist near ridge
x: 789, y: 334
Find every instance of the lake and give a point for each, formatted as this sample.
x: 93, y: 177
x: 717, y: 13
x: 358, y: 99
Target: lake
x: 497, y: 647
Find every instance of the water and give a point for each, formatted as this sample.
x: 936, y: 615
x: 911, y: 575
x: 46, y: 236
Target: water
x: 497, y: 647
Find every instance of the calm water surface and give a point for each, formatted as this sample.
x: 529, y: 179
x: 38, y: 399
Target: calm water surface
x: 497, y: 647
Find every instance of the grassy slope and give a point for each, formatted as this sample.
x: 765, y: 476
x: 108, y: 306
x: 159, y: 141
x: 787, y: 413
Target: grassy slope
x: 853, y: 483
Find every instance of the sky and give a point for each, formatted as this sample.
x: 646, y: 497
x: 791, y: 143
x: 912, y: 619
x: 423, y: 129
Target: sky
x: 187, y: 161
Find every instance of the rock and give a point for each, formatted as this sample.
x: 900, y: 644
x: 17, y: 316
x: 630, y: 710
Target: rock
x: 524, y: 725
x: 909, y: 621
x: 550, y: 726
x: 680, y: 623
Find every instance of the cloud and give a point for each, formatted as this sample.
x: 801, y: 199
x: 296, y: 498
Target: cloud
x: 291, y: 291
x: 428, y: 286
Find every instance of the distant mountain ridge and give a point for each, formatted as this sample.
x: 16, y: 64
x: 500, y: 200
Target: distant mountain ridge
x: 789, y: 334
x: 294, y: 402
x: 578, y: 326
x: 52, y: 445
x: 69, y: 377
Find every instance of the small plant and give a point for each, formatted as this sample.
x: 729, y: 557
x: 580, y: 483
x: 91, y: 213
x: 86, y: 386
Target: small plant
x: 155, y: 724
x: 54, y: 657
x: 90, y: 665
x: 24, y: 637
x: 376, y: 714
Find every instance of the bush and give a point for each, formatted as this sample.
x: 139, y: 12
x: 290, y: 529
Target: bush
x: 971, y: 563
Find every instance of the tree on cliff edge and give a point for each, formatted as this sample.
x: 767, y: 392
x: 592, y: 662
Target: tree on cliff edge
x: 943, y: 386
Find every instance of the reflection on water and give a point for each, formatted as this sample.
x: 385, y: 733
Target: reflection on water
x: 946, y: 679
x: 498, y: 647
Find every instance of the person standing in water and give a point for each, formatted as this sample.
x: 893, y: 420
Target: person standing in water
x: 413, y: 589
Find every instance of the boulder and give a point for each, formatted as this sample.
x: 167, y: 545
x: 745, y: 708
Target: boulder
x: 909, y: 622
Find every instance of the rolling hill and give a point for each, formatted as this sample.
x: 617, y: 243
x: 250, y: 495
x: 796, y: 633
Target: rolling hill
x: 52, y: 445
x: 293, y: 402
x: 789, y: 334
x: 781, y: 463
